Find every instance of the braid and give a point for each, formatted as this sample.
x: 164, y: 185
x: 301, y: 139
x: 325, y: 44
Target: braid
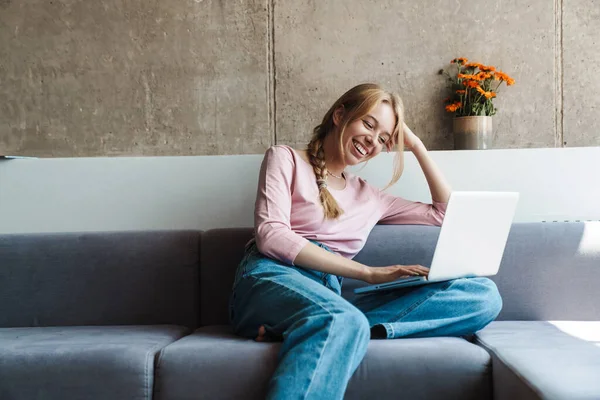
x: 317, y: 159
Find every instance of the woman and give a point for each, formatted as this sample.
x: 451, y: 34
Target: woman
x: 311, y: 218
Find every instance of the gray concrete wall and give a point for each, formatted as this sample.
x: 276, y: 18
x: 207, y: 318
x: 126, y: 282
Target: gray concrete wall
x: 200, y: 77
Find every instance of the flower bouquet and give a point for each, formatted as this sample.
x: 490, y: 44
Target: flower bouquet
x: 473, y: 87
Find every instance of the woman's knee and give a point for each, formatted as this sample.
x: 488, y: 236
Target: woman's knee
x: 484, y: 297
x: 352, y: 323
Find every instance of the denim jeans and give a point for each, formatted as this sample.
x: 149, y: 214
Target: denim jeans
x: 325, y: 337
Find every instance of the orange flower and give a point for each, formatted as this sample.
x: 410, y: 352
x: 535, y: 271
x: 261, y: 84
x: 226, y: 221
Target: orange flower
x: 453, y: 107
x: 460, y: 60
x: 486, y: 68
x: 501, y: 76
x: 488, y: 95
x: 475, y: 89
x: 474, y: 65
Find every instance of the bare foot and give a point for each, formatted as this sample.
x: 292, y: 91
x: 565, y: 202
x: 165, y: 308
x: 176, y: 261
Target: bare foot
x: 262, y: 333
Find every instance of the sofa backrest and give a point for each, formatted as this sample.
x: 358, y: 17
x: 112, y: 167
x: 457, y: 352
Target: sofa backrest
x: 107, y: 278
x: 549, y: 271
x: 221, y: 252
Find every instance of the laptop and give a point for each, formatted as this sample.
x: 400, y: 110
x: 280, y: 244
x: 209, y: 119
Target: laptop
x: 471, y: 241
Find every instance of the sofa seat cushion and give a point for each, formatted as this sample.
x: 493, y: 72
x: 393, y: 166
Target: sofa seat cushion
x: 213, y: 363
x: 81, y: 362
x: 544, y: 359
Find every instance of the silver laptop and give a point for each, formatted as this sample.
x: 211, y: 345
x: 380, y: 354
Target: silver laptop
x: 471, y: 241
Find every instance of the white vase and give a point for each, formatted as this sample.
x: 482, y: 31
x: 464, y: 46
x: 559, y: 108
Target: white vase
x: 472, y: 133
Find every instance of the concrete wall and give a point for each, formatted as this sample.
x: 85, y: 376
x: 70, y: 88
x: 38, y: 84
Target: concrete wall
x: 207, y: 77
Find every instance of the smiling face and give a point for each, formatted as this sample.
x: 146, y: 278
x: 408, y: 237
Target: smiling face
x: 365, y: 137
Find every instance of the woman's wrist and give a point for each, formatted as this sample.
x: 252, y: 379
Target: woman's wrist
x: 365, y: 274
x: 359, y: 271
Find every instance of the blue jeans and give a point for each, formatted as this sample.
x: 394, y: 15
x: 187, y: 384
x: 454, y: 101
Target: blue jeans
x: 325, y: 337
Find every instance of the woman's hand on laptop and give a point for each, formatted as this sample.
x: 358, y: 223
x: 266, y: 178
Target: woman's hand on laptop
x: 394, y: 272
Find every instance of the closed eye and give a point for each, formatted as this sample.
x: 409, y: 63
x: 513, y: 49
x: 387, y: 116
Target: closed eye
x: 368, y: 124
x: 383, y: 139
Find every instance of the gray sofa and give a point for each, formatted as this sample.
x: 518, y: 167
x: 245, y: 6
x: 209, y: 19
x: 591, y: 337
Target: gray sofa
x: 128, y: 315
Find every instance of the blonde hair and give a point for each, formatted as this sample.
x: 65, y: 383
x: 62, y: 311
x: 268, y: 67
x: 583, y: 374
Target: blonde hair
x: 356, y: 102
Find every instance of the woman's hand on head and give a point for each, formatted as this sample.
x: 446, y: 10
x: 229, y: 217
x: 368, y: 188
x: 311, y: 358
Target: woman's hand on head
x: 393, y: 272
x: 410, y: 139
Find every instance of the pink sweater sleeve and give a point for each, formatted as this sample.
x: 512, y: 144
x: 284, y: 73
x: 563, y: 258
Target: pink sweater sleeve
x: 273, y: 233
x: 397, y: 210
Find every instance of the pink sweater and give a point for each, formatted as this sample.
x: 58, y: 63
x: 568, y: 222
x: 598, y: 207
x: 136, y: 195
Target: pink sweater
x: 288, y: 213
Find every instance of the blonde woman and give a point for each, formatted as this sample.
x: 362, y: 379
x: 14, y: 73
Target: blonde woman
x: 311, y: 218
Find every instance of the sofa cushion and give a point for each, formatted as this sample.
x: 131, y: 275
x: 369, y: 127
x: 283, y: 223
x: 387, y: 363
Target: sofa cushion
x: 108, y: 362
x: 544, y: 360
x: 213, y: 363
x: 99, y: 278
